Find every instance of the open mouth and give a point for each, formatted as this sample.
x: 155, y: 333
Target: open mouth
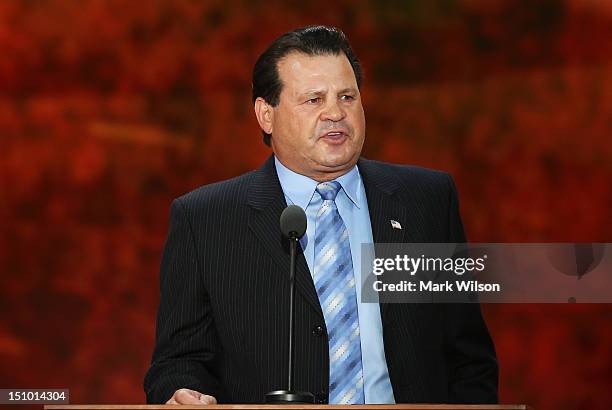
x: 334, y: 136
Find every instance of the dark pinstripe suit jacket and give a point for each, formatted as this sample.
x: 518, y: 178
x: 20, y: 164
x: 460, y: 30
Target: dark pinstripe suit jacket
x: 222, y: 320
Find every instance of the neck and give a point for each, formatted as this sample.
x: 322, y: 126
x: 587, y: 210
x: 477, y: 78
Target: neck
x: 319, y: 176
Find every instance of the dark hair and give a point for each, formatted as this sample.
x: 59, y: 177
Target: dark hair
x: 311, y: 40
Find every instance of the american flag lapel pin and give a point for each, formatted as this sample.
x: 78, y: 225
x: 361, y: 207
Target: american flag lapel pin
x: 395, y: 224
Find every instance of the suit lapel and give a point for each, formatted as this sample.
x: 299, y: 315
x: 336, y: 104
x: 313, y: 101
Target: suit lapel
x: 382, y: 187
x: 384, y: 207
x: 267, y: 202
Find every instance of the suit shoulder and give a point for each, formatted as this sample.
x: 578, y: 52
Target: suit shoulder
x: 218, y: 194
x: 413, y: 176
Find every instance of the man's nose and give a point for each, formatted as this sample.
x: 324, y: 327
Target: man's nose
x: 333, y: 112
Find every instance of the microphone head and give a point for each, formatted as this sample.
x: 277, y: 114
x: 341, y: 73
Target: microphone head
x: 293, y: 222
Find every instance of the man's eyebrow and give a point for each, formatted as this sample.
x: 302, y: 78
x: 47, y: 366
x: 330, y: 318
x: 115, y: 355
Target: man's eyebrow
x: 348, y: 90
x: 321, y: 92
x: 313, y: 91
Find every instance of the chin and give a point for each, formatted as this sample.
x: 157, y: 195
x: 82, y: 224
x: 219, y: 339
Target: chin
x: 338, y: 161
x: 336, y: 156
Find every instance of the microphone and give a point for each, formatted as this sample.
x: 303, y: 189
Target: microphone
x: 293, y: 226
x: 293, y: 222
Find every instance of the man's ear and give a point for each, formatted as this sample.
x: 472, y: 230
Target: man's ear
x: 264, y: 113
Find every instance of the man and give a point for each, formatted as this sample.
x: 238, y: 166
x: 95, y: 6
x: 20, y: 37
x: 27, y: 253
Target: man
x: 221, y: 328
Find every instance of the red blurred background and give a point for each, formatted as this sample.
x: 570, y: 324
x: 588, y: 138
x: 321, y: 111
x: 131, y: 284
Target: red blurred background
x: 110, y: 109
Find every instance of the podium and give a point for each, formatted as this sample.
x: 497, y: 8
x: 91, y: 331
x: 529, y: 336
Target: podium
x: 292, y: 407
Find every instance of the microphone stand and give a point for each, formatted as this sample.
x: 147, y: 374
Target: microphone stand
x: 290, y: 396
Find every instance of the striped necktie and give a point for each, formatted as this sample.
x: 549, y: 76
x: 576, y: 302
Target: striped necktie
x: 335, y: 284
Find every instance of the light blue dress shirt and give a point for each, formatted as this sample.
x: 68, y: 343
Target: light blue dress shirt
x: 353, y: 208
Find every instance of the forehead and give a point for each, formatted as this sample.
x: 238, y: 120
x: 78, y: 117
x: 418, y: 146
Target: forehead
x: 298, y: 70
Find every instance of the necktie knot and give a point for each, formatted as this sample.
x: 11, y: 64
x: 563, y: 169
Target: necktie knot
x: 328, y: 190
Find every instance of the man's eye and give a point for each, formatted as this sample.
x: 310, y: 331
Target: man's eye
x: 347, y: 97
x: 314, y: 100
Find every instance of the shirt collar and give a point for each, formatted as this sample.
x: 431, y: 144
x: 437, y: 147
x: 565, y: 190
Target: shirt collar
x: 300, y: 189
